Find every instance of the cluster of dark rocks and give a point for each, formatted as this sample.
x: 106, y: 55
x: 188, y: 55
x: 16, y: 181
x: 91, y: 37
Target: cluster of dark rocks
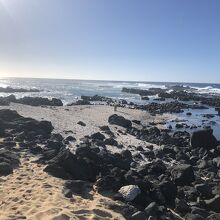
x: 9, y: 160
x: 39, y: 101
x: 179, y: 93
x: 181, y: 176
x: 211, y: 100
x: 14, y: 90
x: 33, y: 101
x: 168, y: 107
x: 141, y: 92
x: 86, y: 100
x: 97, y: 99
x: 5, y: 101
x: 16, y: 130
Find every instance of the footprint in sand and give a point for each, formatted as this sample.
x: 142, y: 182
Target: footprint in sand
x: 97, y: 212
x: 102, y: 213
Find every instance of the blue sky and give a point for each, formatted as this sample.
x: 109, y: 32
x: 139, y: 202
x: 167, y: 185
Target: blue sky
x: 146, y: 40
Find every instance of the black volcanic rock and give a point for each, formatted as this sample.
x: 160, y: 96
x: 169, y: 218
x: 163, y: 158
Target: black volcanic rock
x: 39, y: 101
x: 9, y: 115
x: 203, y: 139
x: 205, y: 99
x: 183, y: 174
x: 81, y: 123
x: 12, y: 122
x: 98, y: 136
x: 5, y: 101
x: 70, y: 138
x: 8, y: 161
x: 213, y: 204
x: 141, y: 92
x: 5, y: 169
x: 119, y: 120
x: 168, y: 107
x: 145, y: 98
x: 81, y: 169
x: 15, y: 90
x: 33, y: 101
x: 96, y: 98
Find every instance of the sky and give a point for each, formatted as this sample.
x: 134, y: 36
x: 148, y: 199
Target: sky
x: 140, y: 40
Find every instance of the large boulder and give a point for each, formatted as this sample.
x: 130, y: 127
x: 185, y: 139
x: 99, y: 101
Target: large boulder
x: 30, y: 125
x: 11, y: 121
x: 119, y: 120
x: 130, y: 192
x: 98, y: 136
x: 183, y: 174
x: 204, y: 139
x: 77, y: 168
x: 5, y: 168
x: 169, y: 190
x: 8, y: 161
x: 9, y: 115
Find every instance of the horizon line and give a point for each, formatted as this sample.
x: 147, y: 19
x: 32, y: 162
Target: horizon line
x: 105, y: 80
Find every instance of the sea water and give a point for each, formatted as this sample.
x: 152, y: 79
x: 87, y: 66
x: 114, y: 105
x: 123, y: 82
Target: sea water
x: 71, y: 90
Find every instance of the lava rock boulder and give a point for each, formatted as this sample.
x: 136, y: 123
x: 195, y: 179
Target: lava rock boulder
x: 119, y: 120
x: 203, y: 139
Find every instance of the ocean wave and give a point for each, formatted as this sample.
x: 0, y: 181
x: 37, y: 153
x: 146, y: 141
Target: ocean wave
x: 139, y: 85
x: 148, y: 86
x: 207, y: 89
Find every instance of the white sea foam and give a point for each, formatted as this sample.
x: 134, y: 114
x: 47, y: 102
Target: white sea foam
x: 207, y: 89
x: 148, y: 86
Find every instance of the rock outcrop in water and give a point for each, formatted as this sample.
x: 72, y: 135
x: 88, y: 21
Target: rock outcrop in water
x: 39, y: 101
x: 16, y: 90
x: 141, y: 92
x: 179, y: 93
x: 33, y: 101
x: 96, y: 98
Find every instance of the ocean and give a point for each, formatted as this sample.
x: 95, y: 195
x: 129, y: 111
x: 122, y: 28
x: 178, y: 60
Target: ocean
x: 71, y: 90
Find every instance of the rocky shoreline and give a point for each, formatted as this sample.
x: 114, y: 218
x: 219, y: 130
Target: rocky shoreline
x: 177, y: 179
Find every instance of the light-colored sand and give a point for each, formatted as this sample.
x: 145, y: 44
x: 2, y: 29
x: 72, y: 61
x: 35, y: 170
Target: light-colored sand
x: 29, y: 193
